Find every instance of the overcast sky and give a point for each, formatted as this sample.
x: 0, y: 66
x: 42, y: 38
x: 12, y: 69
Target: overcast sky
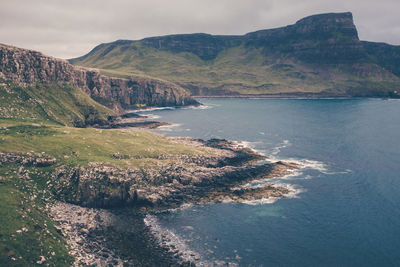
x: 71, y: 28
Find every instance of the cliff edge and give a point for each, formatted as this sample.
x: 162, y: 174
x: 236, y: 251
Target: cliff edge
x: 28, y: 68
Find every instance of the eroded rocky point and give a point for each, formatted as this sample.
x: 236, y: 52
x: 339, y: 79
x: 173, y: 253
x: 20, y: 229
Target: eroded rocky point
x: 174, y: 180
x: 93, y: 232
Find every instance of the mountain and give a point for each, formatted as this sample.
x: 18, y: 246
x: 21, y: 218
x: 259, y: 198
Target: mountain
x: 47, y: 88
x: 319, y: 55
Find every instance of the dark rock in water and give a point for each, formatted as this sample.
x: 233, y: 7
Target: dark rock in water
x: 131, y: 115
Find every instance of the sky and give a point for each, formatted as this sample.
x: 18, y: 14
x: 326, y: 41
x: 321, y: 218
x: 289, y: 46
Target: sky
x: 71, y: 28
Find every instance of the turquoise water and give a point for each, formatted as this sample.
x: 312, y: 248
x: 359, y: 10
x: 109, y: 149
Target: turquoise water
x: 348, y: 213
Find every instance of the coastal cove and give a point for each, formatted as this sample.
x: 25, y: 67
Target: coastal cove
x: 345, y: 212
x: 208, y: 134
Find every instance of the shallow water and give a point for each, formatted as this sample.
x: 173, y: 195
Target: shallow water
x: 348, y: 211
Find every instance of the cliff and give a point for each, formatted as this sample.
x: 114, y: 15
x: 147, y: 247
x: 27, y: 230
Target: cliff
x: 327, y: 38
x: 385, y: 55
x: 319, y: 55
x: 28, y: 68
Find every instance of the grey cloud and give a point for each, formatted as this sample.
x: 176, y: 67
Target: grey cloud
x: 71, y: 28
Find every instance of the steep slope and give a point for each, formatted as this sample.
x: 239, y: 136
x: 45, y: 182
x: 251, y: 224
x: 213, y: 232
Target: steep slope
x: 51, y: 103
x: 318, y: 55
x: 28, y: 68
x: 387, y: 56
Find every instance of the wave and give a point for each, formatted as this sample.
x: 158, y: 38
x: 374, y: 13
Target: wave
x: 173, y: 242
x: 168, y: 128
x: 150, y: 109
x: 249, y: 145
x: 272, y: 157
x: 294, y: 191
x: 152, y: 116
x: 198, y: 107
x: 316, y: 165
x: 184, y: 206
x: 276, y: 150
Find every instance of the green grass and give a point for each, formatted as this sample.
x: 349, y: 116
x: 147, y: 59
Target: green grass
x: 52, y: 104
x: 38, y: 121
x: 79, y: 146
x: 26, y: 231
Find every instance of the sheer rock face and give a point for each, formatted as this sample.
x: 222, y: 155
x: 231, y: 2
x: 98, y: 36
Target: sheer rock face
x: 27, y: 68
x: 327, y: 38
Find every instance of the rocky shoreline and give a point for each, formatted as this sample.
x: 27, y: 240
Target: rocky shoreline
x: 101, y: 208
x: 173, y: 181
x: 196, y: 180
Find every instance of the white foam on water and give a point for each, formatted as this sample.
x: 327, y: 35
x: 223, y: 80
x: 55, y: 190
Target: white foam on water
x: 276, y: 150
x: 198, y: 107
x: 262, y: 182
x: 272, y: 157
x: 248, y: 144
x: 316, y: 165
x: 173, y: 242
x: 184, y: 206
x: 150, y: 109
x: 294, y: 191
x: 303, y: 163
x: 168, y: 128
x: 152, y: 116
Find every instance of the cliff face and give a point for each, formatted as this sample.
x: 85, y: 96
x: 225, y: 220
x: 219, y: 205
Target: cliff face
x: 319, y: 54
x: 385, y: 55
x: 321, y: 38
x: 326, y: 38
x: 205, y: 46
x: 27, y: 68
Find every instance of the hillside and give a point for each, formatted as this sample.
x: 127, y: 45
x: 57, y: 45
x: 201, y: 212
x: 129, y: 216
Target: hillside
x: 318, y: 55
x: 64, y: 184
x: 28, y: 68
x: 42, y: 101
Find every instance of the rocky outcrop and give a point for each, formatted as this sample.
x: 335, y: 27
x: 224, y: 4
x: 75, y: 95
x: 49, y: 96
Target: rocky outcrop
x: 326, y: 38
x: 187, y: 179
x: 26, y: 160
x: 385, y: 55
x: 205, y: 46
x: 27, y: 68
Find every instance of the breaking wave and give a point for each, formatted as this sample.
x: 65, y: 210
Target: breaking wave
x: 173, y: 242
x: 168, y: 128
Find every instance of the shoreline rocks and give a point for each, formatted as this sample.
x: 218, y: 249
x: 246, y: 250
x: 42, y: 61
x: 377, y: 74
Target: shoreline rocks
x: 119, y: 235
x: 170, y: 183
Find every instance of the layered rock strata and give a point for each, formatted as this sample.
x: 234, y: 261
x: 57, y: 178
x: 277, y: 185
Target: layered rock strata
x: 172, y: 182
x: 28, y: 68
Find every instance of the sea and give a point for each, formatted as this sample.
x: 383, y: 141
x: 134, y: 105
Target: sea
x: 346, y: 206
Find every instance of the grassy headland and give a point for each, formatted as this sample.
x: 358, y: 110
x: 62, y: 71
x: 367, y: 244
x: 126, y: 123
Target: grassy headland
x: 39, y: 122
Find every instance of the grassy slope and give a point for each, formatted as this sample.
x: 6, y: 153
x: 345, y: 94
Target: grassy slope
x: 51, y: 104
x: 79, y: 146
x: 38, y: 121
x: 239, y: 69
x: 27, y: 233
